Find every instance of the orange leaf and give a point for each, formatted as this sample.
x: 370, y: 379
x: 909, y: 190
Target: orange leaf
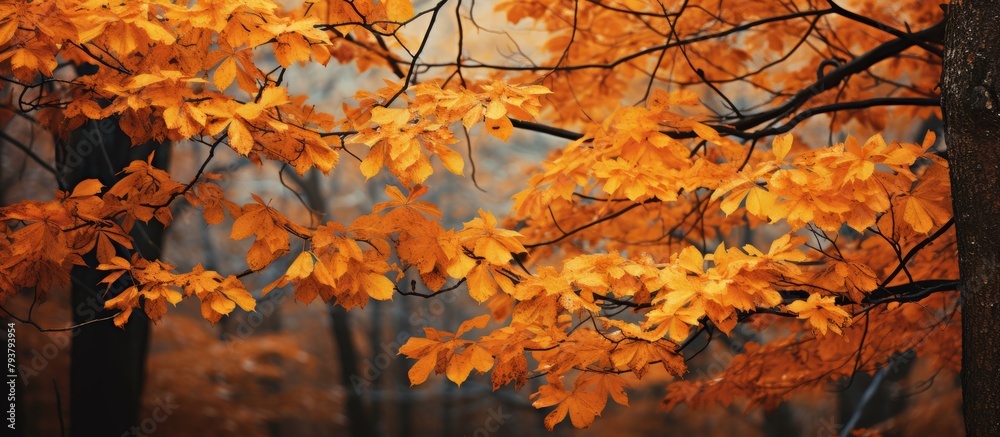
x: 501, y: 127
x: 398, y: 10
x: 240, y: 138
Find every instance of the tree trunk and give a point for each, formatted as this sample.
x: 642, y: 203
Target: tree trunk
x: 22, y: 418
x: 107, y: 363
x: 404, y: 404
x: 357, y: 416
x: 971, y: 106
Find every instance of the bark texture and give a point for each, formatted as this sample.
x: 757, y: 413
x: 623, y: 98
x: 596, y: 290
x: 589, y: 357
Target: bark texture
x: 970, y: 91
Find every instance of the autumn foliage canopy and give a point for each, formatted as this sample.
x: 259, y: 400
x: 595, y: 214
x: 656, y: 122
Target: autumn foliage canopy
x: 721, y: 163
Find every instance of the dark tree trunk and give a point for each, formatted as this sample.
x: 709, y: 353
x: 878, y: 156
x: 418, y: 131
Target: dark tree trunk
x: 360, y: 424
x: 971, y: 103
x: 22, y: 419
x: 107, y: 363
x: 404, y: 400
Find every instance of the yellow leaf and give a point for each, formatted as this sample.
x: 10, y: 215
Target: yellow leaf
x: 377, y: 286
x: 493, y: 251
x: 322, y: 156
x: 240, y: 138
x: 691, y: 260
x: 222, y: 306
x: 478, y: 322
x: 301, y: 267
x: 473, y: 116
x: 461, y: 364
x: 422, y: 369
x: 7, y: 30
x: 781, y: 145
x: 705, y: 132
x: 322, y: 275
x: 481, y: 284
x: 225, y: 74
x: 88, y: 187
x: 155, y: 31
x: 495, y: 110
x: 458, y: 368
x: 460, y: 265
x: 390, y: 116
x: 822, y: 313
x: 916, y: 214
x: 733, y: 200
x: 398, y: 10
x: 173, y: 296
x: 373, y: 163
x: 451, y: 160
x: 273, y: 96
x: 492, y: 243
x: 582, y: 405
x: 760, y: 201
x: 233, y: 288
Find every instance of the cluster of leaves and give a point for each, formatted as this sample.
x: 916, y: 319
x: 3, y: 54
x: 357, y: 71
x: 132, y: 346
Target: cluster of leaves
x: 160, y: 92
x: 626, y: 246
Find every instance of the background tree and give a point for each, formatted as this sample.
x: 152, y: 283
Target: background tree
x: 723, y: 166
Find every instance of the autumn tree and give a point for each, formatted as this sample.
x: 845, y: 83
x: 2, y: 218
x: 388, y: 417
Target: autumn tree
x: 723, y: 164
